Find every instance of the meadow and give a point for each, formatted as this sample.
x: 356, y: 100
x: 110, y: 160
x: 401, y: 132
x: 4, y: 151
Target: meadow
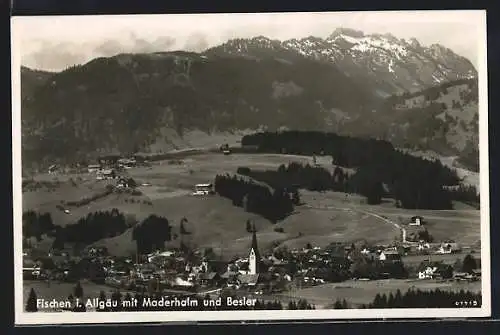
x: 213, y: 221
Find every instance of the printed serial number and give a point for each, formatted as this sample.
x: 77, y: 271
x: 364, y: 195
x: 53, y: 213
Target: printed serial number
x: 467, y: 303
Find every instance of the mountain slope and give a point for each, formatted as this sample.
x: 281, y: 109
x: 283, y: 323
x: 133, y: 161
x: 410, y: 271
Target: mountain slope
x: 392, y: 65
x: 443, y: 119
x: 126, y: 103
x: 32, y: 79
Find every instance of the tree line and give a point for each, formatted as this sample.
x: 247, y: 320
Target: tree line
x: 91, y: 228
x: 381, y: 170
x: 273, y: 204
x: 150, y: 234
x: 37, y: 224
x: 296, y: 175
x: 426, y: 299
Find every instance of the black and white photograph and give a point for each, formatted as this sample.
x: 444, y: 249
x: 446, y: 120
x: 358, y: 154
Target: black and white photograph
x: 250, y: 166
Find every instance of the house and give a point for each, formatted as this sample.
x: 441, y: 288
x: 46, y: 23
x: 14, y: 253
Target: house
x: 389, y: 256
x: 423, y: 246
x: 214, y: 265
x: 107, y: 174
x: 428, y: 272
x: 122, y: 182
x: 94, y: 168
x: 449, y: 248
x: 31, y: 269
x: 53, y: 168
x: 248, y: 279
x: 209, y: 279
x: 416, y: 221
x: 127, y: 163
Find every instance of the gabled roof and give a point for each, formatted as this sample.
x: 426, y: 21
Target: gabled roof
x: 248, y: 278
x: 207, y: 275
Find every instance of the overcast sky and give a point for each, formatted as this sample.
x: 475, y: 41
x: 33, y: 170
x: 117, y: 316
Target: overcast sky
x: 54, y: 43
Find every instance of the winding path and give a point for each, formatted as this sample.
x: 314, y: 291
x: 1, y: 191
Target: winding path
x: 396, y: 225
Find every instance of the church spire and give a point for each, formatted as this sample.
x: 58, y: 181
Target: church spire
x: 254, y: 256
x: 254, y: 240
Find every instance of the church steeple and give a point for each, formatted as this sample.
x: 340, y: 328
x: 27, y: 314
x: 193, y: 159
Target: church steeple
x: 254, y: 257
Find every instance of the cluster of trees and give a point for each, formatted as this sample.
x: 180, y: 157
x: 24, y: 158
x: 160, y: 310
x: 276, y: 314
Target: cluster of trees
x: 36, y: 224
x: 433, y: 93
x: 381, y: 170
x: 152, y: 233
x: 32, y: 306
x: 340, y: 304
x: 273, y: 204
x: 420, y: 235
x: 301, y: 304
x: 149, y: 235
x: 469, y: 264
x: 467, y: 194
x: 92, y: 228
x: 363, y: 267
x: 426, y: 299
x: 87, y: 200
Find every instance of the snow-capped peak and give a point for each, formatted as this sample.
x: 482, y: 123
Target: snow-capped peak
x: 402, y: 64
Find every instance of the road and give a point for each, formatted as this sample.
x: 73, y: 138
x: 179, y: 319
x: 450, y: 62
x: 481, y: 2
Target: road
x: 353, y: 209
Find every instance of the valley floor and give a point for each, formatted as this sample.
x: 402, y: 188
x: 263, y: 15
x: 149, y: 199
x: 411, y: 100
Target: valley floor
x: 214, y: 222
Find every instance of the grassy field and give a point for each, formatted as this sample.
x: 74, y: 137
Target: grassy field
x: 215, y: 222
x: 363, y: 292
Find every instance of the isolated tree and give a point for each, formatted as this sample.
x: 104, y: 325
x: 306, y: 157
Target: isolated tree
x: 469, y: 264
x: 296, y: 197
x: 78, y: 290
x: 131, y: 183
x: 446, y: 272
x: 102, y: 297
x: 31, y: 305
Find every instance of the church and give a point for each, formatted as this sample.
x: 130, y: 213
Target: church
x: 254, y: 256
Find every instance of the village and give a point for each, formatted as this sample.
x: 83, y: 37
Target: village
x: 268, y: 275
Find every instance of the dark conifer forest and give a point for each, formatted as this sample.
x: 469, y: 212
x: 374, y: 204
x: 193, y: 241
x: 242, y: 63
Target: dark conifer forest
x: 414, y: 182
x: 273, y: 204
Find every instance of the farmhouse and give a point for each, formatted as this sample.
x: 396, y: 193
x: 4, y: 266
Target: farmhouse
x: 203, y: 189
x: 428, y: 272
x: 94, y: 168
x: 127, y: 163
x: 389, y: 256
x: 53, y: 168
x: 209, y: 279
x: 449, y: 248
x: 31, y: 268
x: 106, y: 174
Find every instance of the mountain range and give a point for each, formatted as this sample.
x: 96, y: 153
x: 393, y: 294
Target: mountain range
x: 351, y: 83
x: 392, y: 65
